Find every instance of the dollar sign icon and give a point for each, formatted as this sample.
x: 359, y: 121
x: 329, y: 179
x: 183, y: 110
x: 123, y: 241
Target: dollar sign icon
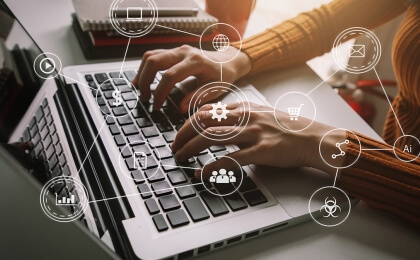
x: 117, y: 95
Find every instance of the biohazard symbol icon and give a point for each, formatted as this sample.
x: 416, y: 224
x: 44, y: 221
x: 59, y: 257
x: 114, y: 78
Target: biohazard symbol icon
x: 330, y: 207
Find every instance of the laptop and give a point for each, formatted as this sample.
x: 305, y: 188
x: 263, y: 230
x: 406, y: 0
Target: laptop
x: 142, y: 210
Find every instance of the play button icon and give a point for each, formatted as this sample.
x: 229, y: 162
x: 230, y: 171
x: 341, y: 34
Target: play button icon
x: 47, y: 65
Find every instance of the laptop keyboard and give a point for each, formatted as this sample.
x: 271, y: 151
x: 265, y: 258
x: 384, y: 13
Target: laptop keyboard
x: 42, y: 132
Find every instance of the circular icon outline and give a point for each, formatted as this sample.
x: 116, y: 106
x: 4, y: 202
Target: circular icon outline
x: 51, y: 74
x: 340, y: 167
x: 115, y: 88
x: 245, y: 106
x: 127, y: 33
x: 359, y: 30
x: 329, y: 187
x: 395, y: 152
x: 217, y: 24
x: 300, y: 93
x: 213, y: 160
x: 50, y: 60
x: 139, y: 142
x: 44, y: 197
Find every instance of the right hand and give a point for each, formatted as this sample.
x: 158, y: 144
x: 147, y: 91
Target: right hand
x: 181, y: 63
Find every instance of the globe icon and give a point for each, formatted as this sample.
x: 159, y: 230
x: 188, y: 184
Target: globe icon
x: 220, y: 42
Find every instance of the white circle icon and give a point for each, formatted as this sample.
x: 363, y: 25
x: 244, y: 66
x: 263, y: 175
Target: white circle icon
x: 221, y: 43
x: 67, y: 193
x: 366, y: 52
x: 329, y: 206
x: 133, y: 19
x: 332, y: 148
x: 407, y: 146
x: 47, y: 65
x: 300, y: 111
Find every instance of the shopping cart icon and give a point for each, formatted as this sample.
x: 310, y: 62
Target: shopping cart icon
x: 294, y: 112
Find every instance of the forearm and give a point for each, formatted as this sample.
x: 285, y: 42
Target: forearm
x: 382, y: 180
x: 311, y: 34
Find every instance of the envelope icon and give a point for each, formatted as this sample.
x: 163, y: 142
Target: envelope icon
x: 357, y: 51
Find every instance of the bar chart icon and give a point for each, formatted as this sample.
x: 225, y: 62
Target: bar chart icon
x: 65, y: 200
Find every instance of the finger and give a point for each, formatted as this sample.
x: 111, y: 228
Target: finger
x: 192, y: 97
x: 173, y: 75
x: 146, y: 55
x: 201, y: 142
x: 203, y: 119
x: 241, y: 157
x: 153, y: 64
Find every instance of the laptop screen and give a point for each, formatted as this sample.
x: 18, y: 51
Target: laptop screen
x: 18, y: 82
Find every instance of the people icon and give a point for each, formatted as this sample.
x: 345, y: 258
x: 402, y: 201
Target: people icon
x: 222, y: 176
x: 232, y: 177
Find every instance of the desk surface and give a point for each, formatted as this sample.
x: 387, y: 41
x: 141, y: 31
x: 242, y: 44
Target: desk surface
x: 366, y: 234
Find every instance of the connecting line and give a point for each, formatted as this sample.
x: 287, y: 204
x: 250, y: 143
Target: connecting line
x: 136, y: 194
x: 122, y: 65
x: 376, y: 149
x: 322, y: 82
x: 169, y: 28
x: 77, y: 81
x: 94, y: 141
x: 221, y: 72
x: 261, y: 111
x: 335, y: 179
x: 395, y: 115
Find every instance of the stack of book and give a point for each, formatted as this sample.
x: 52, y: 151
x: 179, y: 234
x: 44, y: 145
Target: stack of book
x: 99, y: 40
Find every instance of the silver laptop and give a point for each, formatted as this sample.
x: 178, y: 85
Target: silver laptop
x: 156, y: 209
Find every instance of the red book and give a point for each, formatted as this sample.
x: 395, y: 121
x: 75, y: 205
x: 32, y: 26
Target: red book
x: 102, y: 39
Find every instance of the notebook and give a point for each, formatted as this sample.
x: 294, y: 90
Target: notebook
x: 93, y: 15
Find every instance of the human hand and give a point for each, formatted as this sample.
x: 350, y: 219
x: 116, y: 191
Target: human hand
x: 182, y: 62
x: 262, y: 141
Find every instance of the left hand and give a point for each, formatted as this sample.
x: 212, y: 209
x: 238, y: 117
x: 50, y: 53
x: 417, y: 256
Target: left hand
x: 262, y: 141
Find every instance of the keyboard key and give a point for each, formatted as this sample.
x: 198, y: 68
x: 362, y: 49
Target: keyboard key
x: 119, y: 82
x: 39, y: 114
x: 154, y: 175
x: 47, y: 142
x: 176, y: 177
x: 195, y: 209
x: 110, y: 120
x: 163, y: 152
x: 215, y: 204
x: 118, y: 111
x: 35, y: 140
x: 161, y: 188
x: 137, y: 176
x: 247, y: 185
x: 164, y: 127
x: 141, y: 148
x: 49, y: 152
x: 151, y: 163
x: 108, y: 94
x: 185, y: 192
x: 169, y: 136
x: 224, y: 188
x: 130, y: 130
x: 47, y: 111
x: 56, y: 171
x: 158, y: 117
x: 198, y: 184
x: 144, y: 191
x: 42, y: 124
x: 150, y: 131
x: 88, y: 77
x: 157, y: 141
x: 221, y: 154
x: 130, y: 74
x: 50, y: 120
x: 144, y: 122
x: 255, y: 198
x: 66, y: 170
x: 131, y: 104
x: 177, y: 218
x: 124, y: 88
x: 128, y: 96
x: 44, y: 133
x: 152, y: 206
x: 58, y: 149
x: 119, y: 140
x: 169, y: 202
x: 217, y: 148
x: 107, y: 86
x: 205, y: 159
x: 125, y: 120
x: 125, y: 152
x: 62, y: 159
x: 55, y: 139
x: 138, y: 112
x: 101, y: 77
x: 169, y: 165
x: 115, y: 75
x: 32, y: 122
x: 115, y: 130
x: 235, y: 202
x: 53, y: 162
x: 160, y: 223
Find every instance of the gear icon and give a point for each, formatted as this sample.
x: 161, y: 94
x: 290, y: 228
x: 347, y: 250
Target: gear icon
x: 222, y: 114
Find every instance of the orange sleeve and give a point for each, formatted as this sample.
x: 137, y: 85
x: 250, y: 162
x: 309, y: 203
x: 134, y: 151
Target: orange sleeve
x: 311, y: 34
x: 381, y: 180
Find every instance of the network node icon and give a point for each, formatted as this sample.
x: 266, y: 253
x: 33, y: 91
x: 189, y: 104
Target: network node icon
x: 219, y: 111
x: 338, y: 145
x: 221, y: 42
